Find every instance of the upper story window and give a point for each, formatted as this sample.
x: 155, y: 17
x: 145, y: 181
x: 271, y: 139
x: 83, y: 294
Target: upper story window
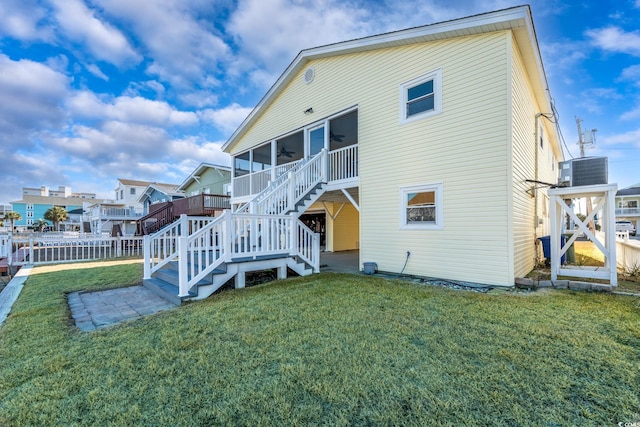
x: 132, y: 191
x: 29, y: 206
x: 421, y: 97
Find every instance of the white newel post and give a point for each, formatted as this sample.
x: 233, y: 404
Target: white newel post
x: 31, y: 251
x: 10, y: 250
x: 146, y: 247
x: 227, y: 236
x: 291, y: 187
x: 323, y: 165
x: 183, y: 255
x: 293, y: 229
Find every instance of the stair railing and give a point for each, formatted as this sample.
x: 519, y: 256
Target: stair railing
x: 289, y: 188
x: 307, y: 245
x: 283, y: 198
x: 162, y: 247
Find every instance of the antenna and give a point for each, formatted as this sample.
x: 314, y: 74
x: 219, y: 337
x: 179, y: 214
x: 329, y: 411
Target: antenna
x: 586, y: 138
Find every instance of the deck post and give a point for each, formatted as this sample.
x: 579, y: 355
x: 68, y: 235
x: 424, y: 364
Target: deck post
x: 293, y: 229
x: 146, y: 254
x: 31, y: 251
x: 292, y: 195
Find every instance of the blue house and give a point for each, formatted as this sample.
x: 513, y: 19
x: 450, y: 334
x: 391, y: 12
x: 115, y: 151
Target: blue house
x: 36, y: 201
x: 157, y: 193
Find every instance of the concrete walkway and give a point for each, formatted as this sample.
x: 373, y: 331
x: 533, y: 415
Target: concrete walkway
x: 100, y: 309
x: 10, y: 293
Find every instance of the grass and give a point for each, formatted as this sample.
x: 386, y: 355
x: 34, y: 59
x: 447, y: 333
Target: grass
x: 329, y: 349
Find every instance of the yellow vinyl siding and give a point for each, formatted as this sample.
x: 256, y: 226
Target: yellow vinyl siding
x: 465, y: 148
x: 524, y: 110
x: 345, y: 228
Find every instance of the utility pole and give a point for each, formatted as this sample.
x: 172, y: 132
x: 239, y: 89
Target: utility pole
x: 582, y: 141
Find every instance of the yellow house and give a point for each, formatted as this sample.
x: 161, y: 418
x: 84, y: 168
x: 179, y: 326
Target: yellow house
x: 426, y: 149
x: 436, y: 143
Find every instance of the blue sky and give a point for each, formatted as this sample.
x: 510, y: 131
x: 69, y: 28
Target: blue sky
x: 95, y: 90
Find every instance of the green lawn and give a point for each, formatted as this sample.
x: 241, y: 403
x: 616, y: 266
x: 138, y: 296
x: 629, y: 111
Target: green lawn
x: 328, y: 349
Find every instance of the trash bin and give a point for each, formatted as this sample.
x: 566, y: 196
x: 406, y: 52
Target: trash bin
x: 546, y: 248
x: 370, y: 267
x: 571, y: 251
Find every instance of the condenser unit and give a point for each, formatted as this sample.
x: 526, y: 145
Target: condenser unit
x: 583, y: 171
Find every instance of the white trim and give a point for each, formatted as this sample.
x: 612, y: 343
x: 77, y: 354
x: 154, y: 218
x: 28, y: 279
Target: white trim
x: 437, y: 188
x: 436, y: 76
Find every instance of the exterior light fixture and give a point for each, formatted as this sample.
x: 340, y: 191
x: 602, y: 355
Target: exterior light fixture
x: 308, y: 110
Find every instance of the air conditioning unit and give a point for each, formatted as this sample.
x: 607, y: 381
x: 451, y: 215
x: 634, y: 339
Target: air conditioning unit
x: 583, y: 171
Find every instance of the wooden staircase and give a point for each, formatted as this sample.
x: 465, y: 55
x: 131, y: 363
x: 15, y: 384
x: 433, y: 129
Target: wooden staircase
x: 195, y: 256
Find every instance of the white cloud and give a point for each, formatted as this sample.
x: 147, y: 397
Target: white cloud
x: 631, y: 115
x: 631, y: 74
x: 191, y: 148
x: 226, y: 119
x: 270, y: 33
x: 22, y: 19
x: 80, y: 24
x: 96, y: 71
x: 184, y: 48
x: 32, y: 95
x: 129, y: 109
x: 630, y: 137
x: 615, y: 39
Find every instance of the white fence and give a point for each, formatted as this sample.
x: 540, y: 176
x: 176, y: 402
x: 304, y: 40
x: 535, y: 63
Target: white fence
x: 627, y: 251
x: 38, y: 250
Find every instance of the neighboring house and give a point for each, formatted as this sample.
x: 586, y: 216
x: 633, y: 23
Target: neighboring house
x: 36, y: 201
x: 121, y: 213
x: 430, y: 140
x: 628, y: 204
x: 157, y: 193
x: 207, y: 178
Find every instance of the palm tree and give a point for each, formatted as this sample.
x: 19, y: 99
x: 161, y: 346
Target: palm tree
x: 40, y: 224
x: 56, y: 215
x: 13, y: 216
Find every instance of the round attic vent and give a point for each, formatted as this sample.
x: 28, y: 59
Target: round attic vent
x: 309, y: 74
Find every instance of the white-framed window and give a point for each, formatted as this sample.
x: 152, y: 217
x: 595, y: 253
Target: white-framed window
x: 29, y: 221
x: 29, y: 214
x: 132, y: 191
x: 421, y: 207
x: 421, y: 97
x: 29, y: 206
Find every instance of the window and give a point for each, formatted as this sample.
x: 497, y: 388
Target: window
x: 421, y: 207
x: 29, y: 214
x: 29, y: 206
x: 421, y: 97
x: 242, y: 164
x: 121, y: 194
x: 29, y: 222
x: 132, y: 191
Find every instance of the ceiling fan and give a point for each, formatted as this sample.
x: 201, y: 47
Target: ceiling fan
x: 284, y: 153
x: 334, y: 137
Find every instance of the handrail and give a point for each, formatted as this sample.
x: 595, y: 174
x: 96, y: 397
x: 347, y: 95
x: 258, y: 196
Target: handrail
x: 280, y: 179
x: 282, y: 198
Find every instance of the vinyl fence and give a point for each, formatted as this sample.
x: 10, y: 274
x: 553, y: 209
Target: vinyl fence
x: 39, y: 250
x: 627, y: 252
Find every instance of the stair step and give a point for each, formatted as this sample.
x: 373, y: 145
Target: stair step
x: 163, y: 289
x: 171, y: 276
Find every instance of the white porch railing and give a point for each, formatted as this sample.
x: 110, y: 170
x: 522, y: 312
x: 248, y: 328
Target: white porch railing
x: 288, y: 189
x: 230, y: 237
x: 628, y: 212
x: 4, y: 245
x: 34, y: 250
x: 343, y: 163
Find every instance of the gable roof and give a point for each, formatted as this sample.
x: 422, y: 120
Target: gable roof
x: 634, y: 190
x: 199, y: 171
x: 517, y: 19
x: 168, y: 189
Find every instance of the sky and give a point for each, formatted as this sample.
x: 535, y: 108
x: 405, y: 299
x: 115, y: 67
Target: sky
x: 96, y: 90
